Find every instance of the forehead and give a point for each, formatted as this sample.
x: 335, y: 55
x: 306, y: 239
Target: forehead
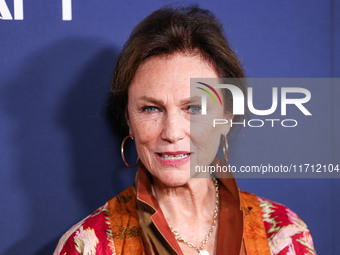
x: 162, y: 75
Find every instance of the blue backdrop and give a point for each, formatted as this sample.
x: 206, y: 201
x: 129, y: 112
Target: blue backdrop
x: 59, y: 160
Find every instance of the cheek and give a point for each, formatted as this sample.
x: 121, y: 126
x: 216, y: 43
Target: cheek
x: 145, y: 130
x: 211, y: 137
x: 202, y: 127
x: 205, y: 137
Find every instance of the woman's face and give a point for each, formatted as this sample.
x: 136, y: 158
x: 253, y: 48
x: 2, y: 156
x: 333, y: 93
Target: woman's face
x: 160, y: 112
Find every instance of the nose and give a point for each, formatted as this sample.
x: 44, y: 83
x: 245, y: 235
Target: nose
x: 173, y: 127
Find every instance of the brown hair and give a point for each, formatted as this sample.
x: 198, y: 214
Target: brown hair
x: 169, y: 31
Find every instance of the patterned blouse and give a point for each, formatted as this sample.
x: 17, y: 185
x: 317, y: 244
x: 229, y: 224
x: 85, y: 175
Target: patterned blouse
x: 117, y: 227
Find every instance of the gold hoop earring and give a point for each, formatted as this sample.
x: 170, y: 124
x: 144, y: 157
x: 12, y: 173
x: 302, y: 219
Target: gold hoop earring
x: 225, y: 148
x: 122, y: 152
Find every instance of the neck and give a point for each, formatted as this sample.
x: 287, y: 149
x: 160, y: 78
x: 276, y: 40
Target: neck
x: 195, y: 200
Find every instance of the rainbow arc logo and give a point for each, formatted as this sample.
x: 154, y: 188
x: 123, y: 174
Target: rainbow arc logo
x: 204, y: 100
x: 209, y: 93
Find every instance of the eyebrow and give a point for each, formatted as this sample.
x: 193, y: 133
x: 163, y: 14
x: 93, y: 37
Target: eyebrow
x: 160, y: 102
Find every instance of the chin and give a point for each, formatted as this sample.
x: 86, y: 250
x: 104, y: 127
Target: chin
x: 174, y: 178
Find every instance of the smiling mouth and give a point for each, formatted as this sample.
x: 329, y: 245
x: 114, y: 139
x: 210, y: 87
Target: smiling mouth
x: 174, y: 156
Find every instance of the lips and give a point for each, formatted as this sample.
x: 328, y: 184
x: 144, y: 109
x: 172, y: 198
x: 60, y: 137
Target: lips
x: 173, y: 159
x: 173, y: 156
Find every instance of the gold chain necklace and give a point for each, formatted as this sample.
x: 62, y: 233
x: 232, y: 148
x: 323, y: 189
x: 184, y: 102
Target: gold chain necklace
x: 199, y: 248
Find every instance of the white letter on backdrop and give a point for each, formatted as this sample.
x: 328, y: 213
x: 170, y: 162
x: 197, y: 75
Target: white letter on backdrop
x: 18, y: 10
x: 5, y: 14
x: 67, y: 9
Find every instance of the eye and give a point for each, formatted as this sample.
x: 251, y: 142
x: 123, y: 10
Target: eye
x: 150, y: 109
x: 194, y: 109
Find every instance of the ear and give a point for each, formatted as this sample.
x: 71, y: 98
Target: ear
x: 226, y: 128
x: 128, y: 121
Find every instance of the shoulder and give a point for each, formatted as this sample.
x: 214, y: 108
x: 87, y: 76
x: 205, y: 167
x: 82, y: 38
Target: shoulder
x: 90, y: 236
x: 93, y: 235
x: 286, y: 232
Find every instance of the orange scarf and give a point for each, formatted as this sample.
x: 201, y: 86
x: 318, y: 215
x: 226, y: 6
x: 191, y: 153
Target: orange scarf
x: 128, y: 240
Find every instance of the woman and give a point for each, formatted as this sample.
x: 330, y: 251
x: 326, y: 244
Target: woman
x: 166, y: 211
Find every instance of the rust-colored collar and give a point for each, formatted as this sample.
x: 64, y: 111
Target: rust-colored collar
x: 157, y: 235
